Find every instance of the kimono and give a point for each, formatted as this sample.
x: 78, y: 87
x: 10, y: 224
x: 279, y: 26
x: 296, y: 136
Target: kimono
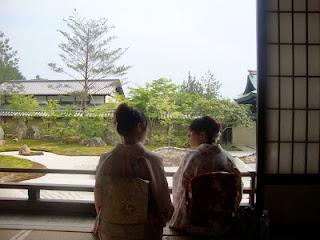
x: 204, y: 159
x: 135, y: 161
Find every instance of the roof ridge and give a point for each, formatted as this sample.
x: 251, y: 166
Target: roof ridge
x: 60, y: 80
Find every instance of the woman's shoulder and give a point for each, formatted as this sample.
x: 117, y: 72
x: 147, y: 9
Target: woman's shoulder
x: 103, y: 158
x: 153, y: 157
x: 191, y: 153
x: 105, y: 155
x: 212, y: 149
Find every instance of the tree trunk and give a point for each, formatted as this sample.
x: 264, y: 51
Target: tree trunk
x: 168, y: 134
x: 86, y: 78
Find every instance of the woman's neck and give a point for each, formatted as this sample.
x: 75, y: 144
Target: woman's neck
x: 130, y: 141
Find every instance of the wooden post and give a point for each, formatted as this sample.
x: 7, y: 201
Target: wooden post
x: 33, y: 194
x: 252, y: 186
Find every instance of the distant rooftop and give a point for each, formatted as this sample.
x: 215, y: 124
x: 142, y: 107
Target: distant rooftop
x: 250, y: 93
x: 63, y: 87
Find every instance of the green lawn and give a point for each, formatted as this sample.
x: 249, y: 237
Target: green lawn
x: 58, y: 148
x: 71, y: 149
x: 13, y: 162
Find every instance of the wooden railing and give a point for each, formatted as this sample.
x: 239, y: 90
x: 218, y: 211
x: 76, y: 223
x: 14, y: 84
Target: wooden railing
x: 35, y: 203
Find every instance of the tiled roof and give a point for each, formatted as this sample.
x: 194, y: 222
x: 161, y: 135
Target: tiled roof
x: 250, y: 93
x: 63, y: 87
x: 251, y: 82
x: 79, y: 113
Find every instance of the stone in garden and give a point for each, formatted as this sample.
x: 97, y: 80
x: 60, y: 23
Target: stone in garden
x: 33, y: 132
x: 85, y: 142
x: 2, y: 142
x: 71, y: 140
x: 1, y: 133
x: 171, y: 156
x: 93, y: 142
x: 25, y: 150
x: 110, y: 137
x: 48, y: 138
x: 98, y: 141
x: 21, y: 130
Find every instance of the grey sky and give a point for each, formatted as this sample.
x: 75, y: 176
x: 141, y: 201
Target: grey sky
x: 166, y: 38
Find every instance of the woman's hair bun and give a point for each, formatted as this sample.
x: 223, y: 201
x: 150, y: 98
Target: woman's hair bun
x: 208, y: 125
x: 127, y: 118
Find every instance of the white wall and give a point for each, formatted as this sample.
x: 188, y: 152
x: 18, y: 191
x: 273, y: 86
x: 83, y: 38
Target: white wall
x: 97, y: 100
x: 41, y: 99
x: 244, y: 136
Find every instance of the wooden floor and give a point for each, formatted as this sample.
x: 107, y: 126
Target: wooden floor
x: 11, y: 234
x: 6, y: 234
x: 50, y: 227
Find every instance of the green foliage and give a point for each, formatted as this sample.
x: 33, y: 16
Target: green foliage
x: 51, y: 109
x: 208, y: 86
x: 174, y: 107
x: 110, y: 106
x: 70, y: 127
x: 169, y: 111
x: 156, y: 100
x: 9, y: 69
x: 23, y: 103
x: 211, y: 85
x: 91, y: 127
x: 191, y: 85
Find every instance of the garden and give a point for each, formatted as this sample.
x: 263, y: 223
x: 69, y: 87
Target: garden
x: 68, y: 131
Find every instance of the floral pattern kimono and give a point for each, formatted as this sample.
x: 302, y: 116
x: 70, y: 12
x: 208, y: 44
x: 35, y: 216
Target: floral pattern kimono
x: 135, y: 161
x: 204, y: 159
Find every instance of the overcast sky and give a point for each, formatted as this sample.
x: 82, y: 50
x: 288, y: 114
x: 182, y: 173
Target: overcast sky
x: 166, y: 38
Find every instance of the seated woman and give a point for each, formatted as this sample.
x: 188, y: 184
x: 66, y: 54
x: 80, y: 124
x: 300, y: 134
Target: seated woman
x: 132, y: 159
x: 207, y: 156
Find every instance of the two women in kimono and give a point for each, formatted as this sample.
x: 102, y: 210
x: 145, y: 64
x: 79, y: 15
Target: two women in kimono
x: 205, y: 156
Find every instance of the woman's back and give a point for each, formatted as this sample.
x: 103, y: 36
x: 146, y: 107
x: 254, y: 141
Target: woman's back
x: 209, y: 158
x: 126, y: 161
x: 205, y: 158
x: 134, y: 161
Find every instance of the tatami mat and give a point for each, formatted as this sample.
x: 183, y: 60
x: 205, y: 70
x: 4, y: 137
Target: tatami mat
x: 47, y: 235
x: 46, y: 222
x: 48, y: 227
x: 43, y: 235
x: 8, y: 234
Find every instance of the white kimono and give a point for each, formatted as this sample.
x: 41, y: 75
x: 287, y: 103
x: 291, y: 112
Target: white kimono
x: 136, y: 161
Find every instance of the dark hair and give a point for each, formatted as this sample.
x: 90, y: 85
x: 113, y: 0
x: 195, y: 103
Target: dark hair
x: 207, y: 125
x: 127, y: 118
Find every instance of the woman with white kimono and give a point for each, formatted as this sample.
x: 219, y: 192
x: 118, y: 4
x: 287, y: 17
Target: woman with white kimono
x: 132, y: 159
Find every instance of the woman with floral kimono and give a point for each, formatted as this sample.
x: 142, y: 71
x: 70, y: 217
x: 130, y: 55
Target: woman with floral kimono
x: 132, y: 159
x: 206, y: 156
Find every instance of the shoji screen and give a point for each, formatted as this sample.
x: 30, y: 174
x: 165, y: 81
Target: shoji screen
x: 293, y: 87
x: 289, y: 65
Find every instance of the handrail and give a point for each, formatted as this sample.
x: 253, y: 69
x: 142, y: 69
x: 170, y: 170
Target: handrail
x: 80, y: 171
x: 48, y: 170
x: 34, y: 188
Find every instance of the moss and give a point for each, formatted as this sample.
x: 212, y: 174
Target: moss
x: 14, y: 162
x: 58, y: 147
